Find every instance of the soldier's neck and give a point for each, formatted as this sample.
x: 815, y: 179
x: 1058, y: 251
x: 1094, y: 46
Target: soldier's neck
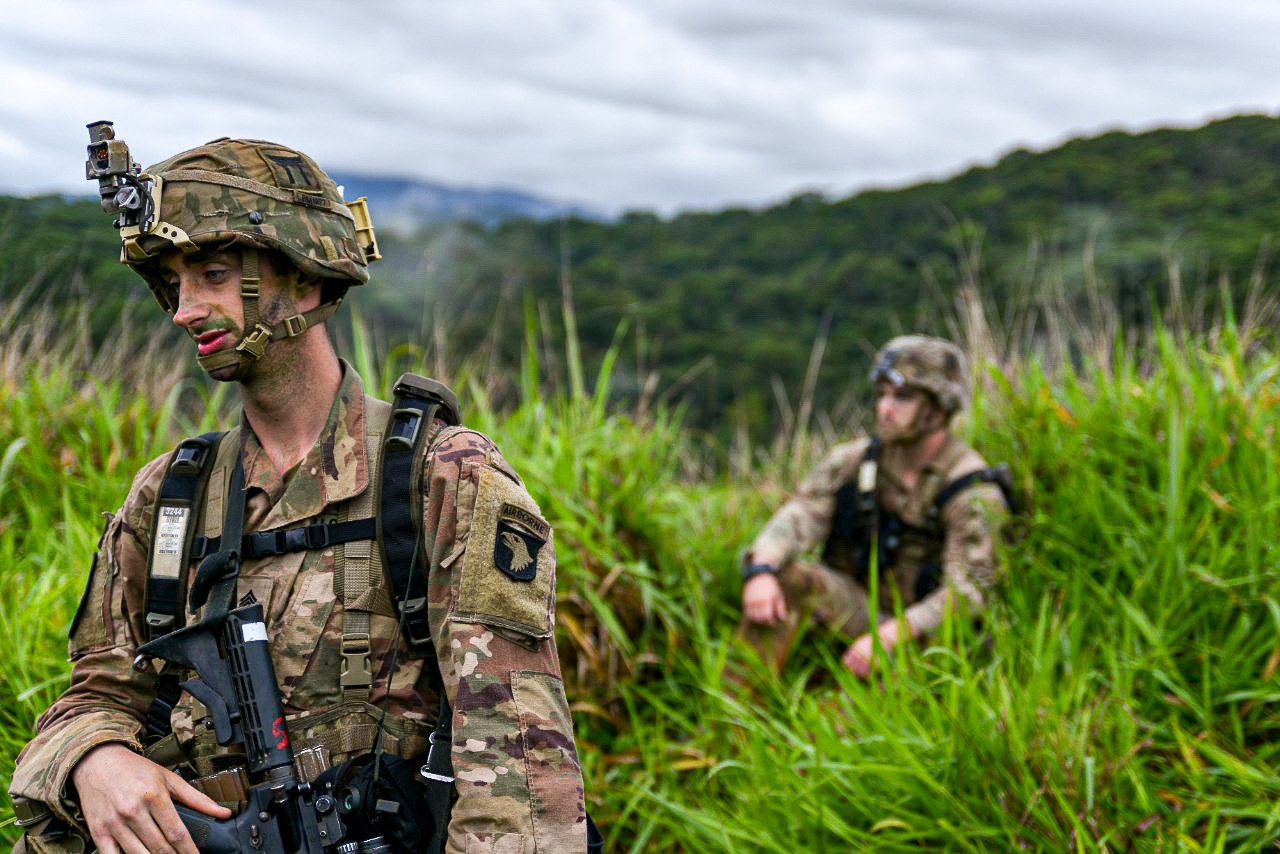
x: 919, y: 453
x: 287, y: 400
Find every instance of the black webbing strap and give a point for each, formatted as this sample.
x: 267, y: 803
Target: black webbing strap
x: 215, y: 581
x: 185, y: 478
x: 418, y: 403
x: 437, y: 773
x: 278, y: 541
x: 854, y: 517
x: 1000, y: 475
x: 595, y: 839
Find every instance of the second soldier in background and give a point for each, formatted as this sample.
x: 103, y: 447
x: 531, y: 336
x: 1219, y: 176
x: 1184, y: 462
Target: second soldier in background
x: 914, y: 502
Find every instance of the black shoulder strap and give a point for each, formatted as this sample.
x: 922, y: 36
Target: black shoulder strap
x: 867, y: 497
x: 854, y: 511
x: 1000, y: 475
x: 176, y: 519
x: 178, y: 509
x: 418, y: 402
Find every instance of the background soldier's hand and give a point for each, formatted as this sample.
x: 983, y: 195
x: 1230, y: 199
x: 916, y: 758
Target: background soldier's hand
x: 127, y: 801
x: 762, y: 599
x: 858, y: 657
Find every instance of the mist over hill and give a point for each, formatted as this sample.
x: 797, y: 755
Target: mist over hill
x: 726, y: 305
x: 404, y: 205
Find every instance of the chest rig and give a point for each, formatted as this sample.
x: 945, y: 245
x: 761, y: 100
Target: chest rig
x: 375, y: 536
x: 862, y: 528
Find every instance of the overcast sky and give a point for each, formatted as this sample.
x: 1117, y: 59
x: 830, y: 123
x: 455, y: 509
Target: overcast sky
x: 658, y: 104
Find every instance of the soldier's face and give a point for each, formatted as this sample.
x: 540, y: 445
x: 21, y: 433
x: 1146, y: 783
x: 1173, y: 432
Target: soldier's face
x: 207, y: 287
x: 901, y: 412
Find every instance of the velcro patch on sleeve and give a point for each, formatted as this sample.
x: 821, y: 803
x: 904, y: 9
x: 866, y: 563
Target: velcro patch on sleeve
x: 508, y: 571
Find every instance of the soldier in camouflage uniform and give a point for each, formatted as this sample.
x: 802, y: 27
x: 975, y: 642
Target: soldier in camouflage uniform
x: 882, y: 490
x: 230, y: 212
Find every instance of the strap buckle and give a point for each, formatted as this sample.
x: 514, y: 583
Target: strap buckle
x: 27, y: 812
x: 200, y: 547
x: 403, y: 430
x: 317, y: 536
x: 355, y: 667
x: 159, y: 622
x: 255, y: 343
x: 264, y: 543
x: 278, y: 542
x: 295, y: 325
x: 432, y: 770
x: 296, y: 540
x: 189, y: 459
x: 416, y: 627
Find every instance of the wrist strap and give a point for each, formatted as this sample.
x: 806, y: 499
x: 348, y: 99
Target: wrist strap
x: 751, y: 570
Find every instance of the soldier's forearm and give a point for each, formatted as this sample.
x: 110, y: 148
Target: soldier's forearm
x: 46, y: 764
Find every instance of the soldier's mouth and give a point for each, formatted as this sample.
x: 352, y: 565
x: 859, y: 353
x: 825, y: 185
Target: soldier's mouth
x: 208, y: 342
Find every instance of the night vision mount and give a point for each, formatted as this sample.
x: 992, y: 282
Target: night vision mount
x: 123, y: 189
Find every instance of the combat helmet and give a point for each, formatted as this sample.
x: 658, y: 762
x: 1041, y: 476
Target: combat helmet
x: 255, y: 194
x: 930, y: 364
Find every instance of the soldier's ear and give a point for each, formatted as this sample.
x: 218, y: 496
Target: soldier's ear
x: 934, y: 415
x: 301, y: 285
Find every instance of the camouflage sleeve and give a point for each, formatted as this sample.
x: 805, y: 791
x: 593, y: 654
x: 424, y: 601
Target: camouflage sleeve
x: 805, y: 520
x: 969, y: 561
x: 107, y: 700
x: 518, y: 781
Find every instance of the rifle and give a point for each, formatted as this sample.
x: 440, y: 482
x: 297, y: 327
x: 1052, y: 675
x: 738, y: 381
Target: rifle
x: 237, y: 683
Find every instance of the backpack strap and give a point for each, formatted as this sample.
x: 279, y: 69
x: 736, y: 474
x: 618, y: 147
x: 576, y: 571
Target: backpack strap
x: 868, y: 479
x: 357, y: 568
x: 179, y: 507
x: 196, y: 481
x: 856, y: 515
x: 418, y: 403
x: 1000, y: 475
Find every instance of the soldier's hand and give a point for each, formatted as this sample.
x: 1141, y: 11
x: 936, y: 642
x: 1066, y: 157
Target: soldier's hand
x: 762, y: 599
x: 127, y: 801
x: 858, y: 657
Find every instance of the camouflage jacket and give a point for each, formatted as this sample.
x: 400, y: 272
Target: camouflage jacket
x: 967, y: 551
x: 518, y: 782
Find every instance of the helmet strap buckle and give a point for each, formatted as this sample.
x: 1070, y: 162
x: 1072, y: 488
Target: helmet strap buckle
x: 295, y: 325
x: 255, y: 343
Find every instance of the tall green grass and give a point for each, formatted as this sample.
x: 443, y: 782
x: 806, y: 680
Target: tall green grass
x: 1120, y: 694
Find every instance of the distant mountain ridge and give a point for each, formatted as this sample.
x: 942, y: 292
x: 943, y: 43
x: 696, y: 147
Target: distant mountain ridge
x: 404, y: 205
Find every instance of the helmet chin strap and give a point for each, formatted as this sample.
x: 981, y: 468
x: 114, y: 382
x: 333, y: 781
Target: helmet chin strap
x: 258, y: 334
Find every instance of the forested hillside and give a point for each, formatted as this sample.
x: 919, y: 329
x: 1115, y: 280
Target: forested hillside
x: 727, y: 301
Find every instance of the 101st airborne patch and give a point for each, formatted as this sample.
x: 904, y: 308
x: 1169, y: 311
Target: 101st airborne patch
x: 519, y: 537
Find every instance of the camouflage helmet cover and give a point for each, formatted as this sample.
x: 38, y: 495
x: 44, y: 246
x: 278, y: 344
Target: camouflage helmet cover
x: 929, y: 364
x: 255, y: 193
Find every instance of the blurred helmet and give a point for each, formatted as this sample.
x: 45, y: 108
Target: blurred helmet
x: 255, y: 195
x: 929, y: 364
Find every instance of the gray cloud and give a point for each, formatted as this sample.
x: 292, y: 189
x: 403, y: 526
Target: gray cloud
x: 624, y: 103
